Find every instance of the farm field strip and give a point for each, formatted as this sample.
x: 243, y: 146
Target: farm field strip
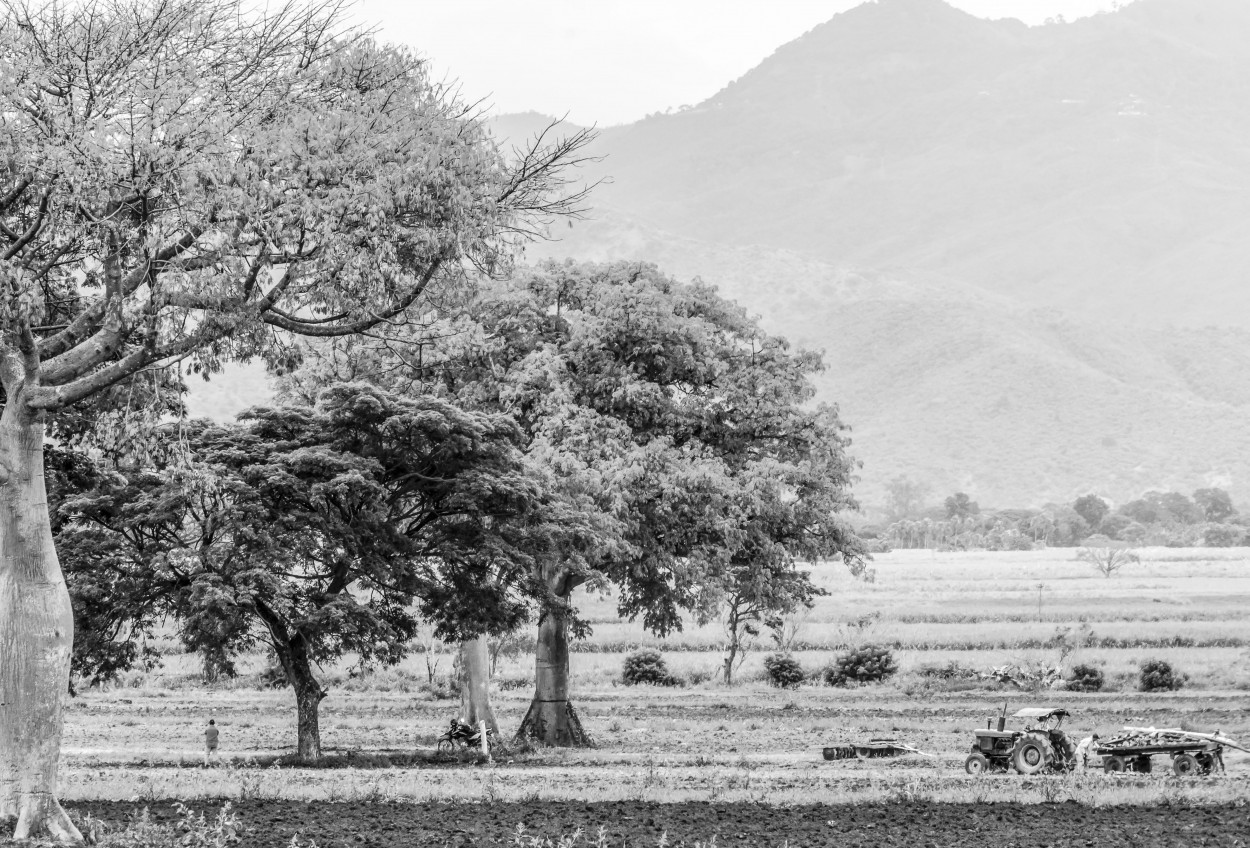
x: 688, y: 758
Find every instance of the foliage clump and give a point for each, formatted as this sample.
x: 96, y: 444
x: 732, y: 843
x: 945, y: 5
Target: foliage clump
x: 647, y: 667
x: 1159, y: 676
x: 1086, y: 678
x: 784, y: 671
x: 863, y: 664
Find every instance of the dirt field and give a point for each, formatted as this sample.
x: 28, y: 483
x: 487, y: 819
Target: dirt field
x: 740, y: 763
x: 272, y: 824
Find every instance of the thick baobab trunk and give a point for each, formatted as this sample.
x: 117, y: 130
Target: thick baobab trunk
x: 36, y: 636
x: 551, y: 719
x: 475, y: 683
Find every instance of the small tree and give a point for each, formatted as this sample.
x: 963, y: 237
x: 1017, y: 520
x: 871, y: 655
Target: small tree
x: 784, y: 671
x: 863, y: 664
x: 1216, y: 505
x: 1108, y: 560
x: 1085, y: 678
x: 647, y: 667
x: 1159, y: 676
x: 1093, y: 509
x: 959, y: 505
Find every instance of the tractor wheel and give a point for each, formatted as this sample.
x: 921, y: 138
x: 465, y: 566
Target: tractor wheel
x: 1142, y: 764
x: 976, y: 763
x: 1185, y: 764
x: 1032, y: 754
x: 1114, y: 765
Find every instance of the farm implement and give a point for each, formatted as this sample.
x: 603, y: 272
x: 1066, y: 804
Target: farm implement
x: 1191, y: 753
x: 871, y: 750
x: 1040, y: 746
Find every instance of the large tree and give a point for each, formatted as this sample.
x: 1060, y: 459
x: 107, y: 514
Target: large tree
x: 193, y: 178
x: 683, y: 430
x: 317, y: 532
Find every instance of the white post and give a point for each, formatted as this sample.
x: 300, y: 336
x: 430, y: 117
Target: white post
x: 485, y: 743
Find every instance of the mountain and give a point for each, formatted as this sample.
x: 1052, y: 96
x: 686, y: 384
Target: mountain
x: 1099, y: 165
x: 1023, y: 250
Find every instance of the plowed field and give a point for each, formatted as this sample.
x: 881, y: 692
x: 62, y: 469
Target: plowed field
x: 636, y: 823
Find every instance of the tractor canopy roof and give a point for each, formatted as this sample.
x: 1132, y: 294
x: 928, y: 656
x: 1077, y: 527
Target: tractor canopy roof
x: 1041, y: 712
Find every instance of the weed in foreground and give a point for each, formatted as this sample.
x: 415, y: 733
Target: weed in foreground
x: 190, y: 831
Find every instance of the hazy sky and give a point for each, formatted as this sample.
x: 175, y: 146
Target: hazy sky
x: 614, y: 61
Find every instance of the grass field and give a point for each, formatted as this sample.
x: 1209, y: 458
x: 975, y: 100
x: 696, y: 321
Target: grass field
x: 705, y: 741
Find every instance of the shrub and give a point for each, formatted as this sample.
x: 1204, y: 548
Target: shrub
x: 1158, y: 676
x: 1086, y: 678
x: 647, y: 667
x: 784, y: 671
x: 865, y: 664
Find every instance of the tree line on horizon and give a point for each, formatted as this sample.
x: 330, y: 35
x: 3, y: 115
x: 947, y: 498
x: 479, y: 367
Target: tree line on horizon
x: 1206, y: 518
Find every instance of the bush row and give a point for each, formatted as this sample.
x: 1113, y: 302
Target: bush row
x: 876, y: 663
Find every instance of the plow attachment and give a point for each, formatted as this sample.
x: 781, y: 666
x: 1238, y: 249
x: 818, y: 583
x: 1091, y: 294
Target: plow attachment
x: 871, y: 750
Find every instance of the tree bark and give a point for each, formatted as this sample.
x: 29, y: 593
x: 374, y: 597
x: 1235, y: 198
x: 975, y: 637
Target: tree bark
x: 292, y: 651
x: 308, y: 696
x: 551, y: 719
x: 475, y: 683
x: 36, y: 635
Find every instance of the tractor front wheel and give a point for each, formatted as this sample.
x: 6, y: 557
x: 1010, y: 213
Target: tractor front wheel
x: 1031, y: 755
x: 976, y: 763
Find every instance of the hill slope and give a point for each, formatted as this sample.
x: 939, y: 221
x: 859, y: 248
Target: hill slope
x: 1098, y: 165
x: 964, y: 389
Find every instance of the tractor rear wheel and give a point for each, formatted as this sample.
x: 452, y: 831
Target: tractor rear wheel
x: 1032, y: 754
x: 1185, y: 764
x: 1114, y: 765
x: 976, y: 763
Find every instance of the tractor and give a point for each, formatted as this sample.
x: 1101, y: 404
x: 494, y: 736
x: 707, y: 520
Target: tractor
x: 1040, y: 746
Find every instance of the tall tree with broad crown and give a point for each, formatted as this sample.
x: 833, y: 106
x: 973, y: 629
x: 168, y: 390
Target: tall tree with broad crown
x: 318, y: 531
x: 193, y: 178
x: 670, y: 415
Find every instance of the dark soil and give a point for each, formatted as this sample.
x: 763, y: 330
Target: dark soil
x: 635, y: 824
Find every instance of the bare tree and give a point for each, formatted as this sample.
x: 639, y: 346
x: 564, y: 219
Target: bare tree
x: 1107, y: 561
x: 197, y: 179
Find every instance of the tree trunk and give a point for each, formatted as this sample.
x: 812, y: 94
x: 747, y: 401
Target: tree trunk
x: 475, y: 683
x: 292, y: 651
x: 551, y: 719
x: 731, y: 656
x: 36, y: 635
x: 308, y: 711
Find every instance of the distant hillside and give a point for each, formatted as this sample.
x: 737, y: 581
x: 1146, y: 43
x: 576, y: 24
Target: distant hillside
x: 964, y: 389
x: 1098, y: 166
x: 1009, y: 241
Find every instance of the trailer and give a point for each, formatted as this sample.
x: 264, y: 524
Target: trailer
x: 1191, y: 753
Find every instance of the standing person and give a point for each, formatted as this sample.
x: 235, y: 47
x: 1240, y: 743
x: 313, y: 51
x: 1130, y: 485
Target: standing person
x: 210, y: 741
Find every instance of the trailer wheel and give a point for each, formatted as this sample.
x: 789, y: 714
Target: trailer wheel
x: 976, y: 763
x: 1185, y: 764
x: 1114, y: 764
